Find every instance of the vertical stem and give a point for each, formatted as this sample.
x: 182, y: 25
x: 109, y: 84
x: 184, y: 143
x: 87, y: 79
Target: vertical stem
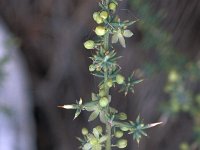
x: 106, y: 41
x: 108, y: 141
x: 108, y: 126
x: 107, y: 2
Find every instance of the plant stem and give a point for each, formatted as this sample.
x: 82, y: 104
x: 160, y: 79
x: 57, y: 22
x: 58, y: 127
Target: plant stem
x: 106, y: 41
x: 108, y: 141
x: 107, y: 2
x: 108, y: 126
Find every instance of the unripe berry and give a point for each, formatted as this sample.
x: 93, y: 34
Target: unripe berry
x: 119, y: 134
x: 84, y: 131
x: 89, y: 44
x: 95, y: 15
x: 109, y: 83
x: 184, y: 146
x: 98, y: 68
x: 122, y: 143
x: 104, y: 15
x: 100, y: 30
x: 103, y: 102
x: 122, y: 116
x: 91, y: 68
x: 99, y: 129
x: 112, y: 6
x: 120, y: 79
x: 124, y: 129
x: 99, y: 20
x: 173, y: 76
x: 102, y: 93
x: 93, y: 141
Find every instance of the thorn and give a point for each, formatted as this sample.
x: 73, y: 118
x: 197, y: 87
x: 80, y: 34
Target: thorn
x: 80, y: 101
x: 132, y: 74
x: 154, y: 124
x: 66, y: 106
x: 138, y: 142
x: 125, y: 93
x: 60, y: 106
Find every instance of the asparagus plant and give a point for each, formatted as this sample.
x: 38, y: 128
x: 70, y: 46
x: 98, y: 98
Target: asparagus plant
x: 110, y: 29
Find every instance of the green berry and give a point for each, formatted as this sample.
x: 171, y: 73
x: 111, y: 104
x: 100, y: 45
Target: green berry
x: 95, y: 15
x: 100, y: 30
x: 122, y: 116
x: 119, y: 134
x: 120, y: 79
x: 112, y: 6
x: 184, y: 146
x: 84, y: 131
x: 98, y: 68
x: 91, y: 68
x: 103, y: 102
x: 102, y: 93
x: 122, y: 143
x: 173, y: 76
x: 104, y: 15
x: 99, y: 129
x: 109, y: 83
x: 89, y: 44
x: 124, y: 129
x: 99, y: 20
x: 93, y: 141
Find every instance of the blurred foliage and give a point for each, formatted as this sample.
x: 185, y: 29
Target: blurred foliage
x: 9, y: 43
x: 183, y: 74
x: 3, y: 61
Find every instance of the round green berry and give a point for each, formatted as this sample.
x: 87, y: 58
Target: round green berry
x: 173, y: 76
x: 94, y: 141
x: 119, y: 134
x: 89, y: 44
x: 102, y: 93
x: 99, y: 20
x: 103, y: 102
x: 184, y: 146
x: 100, y: 30
x: 112, y: 6
x: 109, y: 83
x: 122, y: 116
x: 104, y: 15
x: 95, y: 15
x: 98, y: 68
x: 84, y: 131
x: 124, y: 129
x: 99, y: 129
x: 120, y: 79
x: 122, y: 143
x: 91, y: 68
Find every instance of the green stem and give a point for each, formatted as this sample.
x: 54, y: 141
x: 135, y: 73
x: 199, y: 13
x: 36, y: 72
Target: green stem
x: 108, y: 126
x: 107, y: 2
x: 108, y: 141
x: 106, y: 41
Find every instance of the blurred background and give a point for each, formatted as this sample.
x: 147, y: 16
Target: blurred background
x: 43, y: 64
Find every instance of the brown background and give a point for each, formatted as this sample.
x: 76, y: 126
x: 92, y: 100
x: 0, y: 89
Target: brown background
x: 52, y: 33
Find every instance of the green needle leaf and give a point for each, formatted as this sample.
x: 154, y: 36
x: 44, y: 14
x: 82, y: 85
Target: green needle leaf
x: 115, y: 38
x: 78, y: 111
x: 127, y: 33
x: 152, y: 125
x: 93, y: 115
x: 121, y: 40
